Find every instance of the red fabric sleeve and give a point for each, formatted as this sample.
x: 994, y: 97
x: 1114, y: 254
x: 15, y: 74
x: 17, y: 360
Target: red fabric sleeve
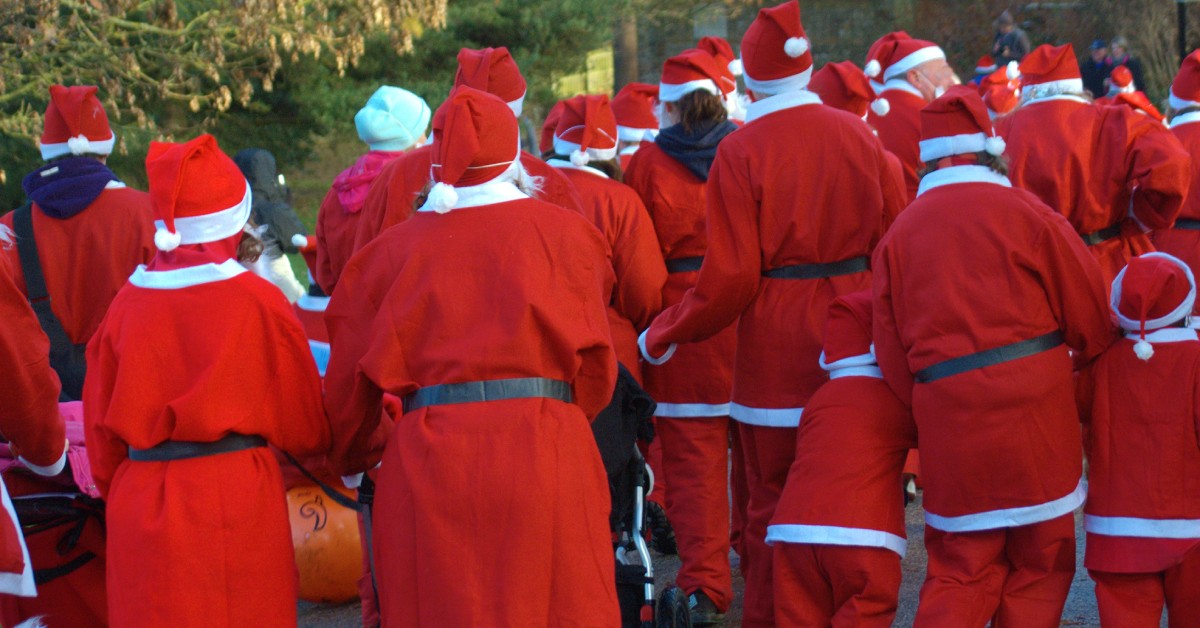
x: 29, y: 388
x: 895, y: 192
x: 729, y: 278
x: 889, y: 350
x: 105, y: 450
x: 1158, y: 169
x: 324, y: 271
x: 638, y: 262
x: 295, y: 396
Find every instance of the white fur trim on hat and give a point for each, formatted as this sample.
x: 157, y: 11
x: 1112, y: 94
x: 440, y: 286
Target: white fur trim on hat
x: 1179, y: 104
x: 881, y: 106
x: 78, y: 145
x: 928, y: 53
x: 1173, y: 316
x: 1012, y: 71
x: 772, y: 87
x: 631, y: 134
x: 206, y: 228
x: 668, y: 92
x: 795, y: 46
x: 517, y: 105
x: 873, y: 68
x: 939, y: 147
x: 570, y: 149
x: 1049, y: 89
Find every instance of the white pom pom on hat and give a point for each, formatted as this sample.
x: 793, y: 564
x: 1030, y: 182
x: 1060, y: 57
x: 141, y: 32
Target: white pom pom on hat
x: 994, y: 145
x: 79, y: 145
x: 795, y: 46
x: 579, y: 158
x: 873, y: 68
x: 442, y: 197
x: 1143, y: 349
x: 881, y: 106
x: 1012, y: 71
x: 299, y: 240
x: 167, y: 240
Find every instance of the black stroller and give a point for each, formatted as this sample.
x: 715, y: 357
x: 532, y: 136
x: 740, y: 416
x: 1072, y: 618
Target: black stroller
x: 617, y: 428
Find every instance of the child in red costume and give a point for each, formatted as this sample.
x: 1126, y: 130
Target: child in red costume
x: 838, y: 531
x: 1139, y: 401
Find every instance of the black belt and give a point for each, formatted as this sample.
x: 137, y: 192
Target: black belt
x: 183, y: 449
x: 1187, y: 224
x: 684, y: 264
x: 1096, y: 237
x: 820, y: 271
x: 999, y: 355
x: 488, y: 390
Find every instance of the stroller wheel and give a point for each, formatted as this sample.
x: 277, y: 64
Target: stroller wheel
x: 673, y: 609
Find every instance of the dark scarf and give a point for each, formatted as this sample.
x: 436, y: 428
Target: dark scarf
x: 695, y: 150
x: 66, y: 187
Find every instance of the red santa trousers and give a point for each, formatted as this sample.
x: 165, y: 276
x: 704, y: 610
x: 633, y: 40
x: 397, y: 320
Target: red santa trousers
x: 1133, y: 600
x: 1015, y: 577
x: 739, y: 493
x: 696, y: 465
x: 768, y: 453
x: 835, y: 585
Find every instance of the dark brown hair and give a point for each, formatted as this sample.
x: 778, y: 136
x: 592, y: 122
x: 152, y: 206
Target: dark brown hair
x: 249, y: 247
x: 998, y: 163
x: 698, y: 108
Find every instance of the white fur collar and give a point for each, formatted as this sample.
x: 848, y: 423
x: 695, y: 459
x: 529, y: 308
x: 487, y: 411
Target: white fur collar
x: 961, y: 174
x: 1033, y: 100
x: 564, y: 164
x: 488, y: 193
x: 1187, y: 118
x: 779, y: 102
x: 185, y: 277
x: 1169, y: 334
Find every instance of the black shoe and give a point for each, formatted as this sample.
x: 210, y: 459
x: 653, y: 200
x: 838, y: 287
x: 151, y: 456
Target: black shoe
x: 703, y: 611
x: 662, y: 535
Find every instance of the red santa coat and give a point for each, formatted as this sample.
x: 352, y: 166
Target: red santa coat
x: 203, y: 541
x: 391, y: 197
x: 698, y: 380
x: 337, y: 218
x: 1183, y: 241
x: 843, y: 487
x: 762, y: 215
x: 900, y: 129
x: 1000, y: 445
x: 1143, y: 503
x: 494, y: 512
x: 617, y: 211
x: 29, y: 418
x: 1098, y: 166
x: 87, y: 258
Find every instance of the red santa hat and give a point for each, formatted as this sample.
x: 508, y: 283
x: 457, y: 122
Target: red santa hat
x: 1001, y: 99
x: 1153, y: 291
x: 897, y: 53
x: 957, y: 124
x: 198, y: 193
x: 843, y: 86
x: 1122, y: 80
x: 776, y: 55
x: 720, y: 49
x: 985, y: 65
x: 492, y: 70
x: 691, y: 70
x: 587, y: 130
x: 848, y: 334
x: 75, y: 123
x: 475, y: 140
x: 1185, y: 90
x: 633, y: 108
x: 872, y: 67
x: 1049, y: 71
x: 546, y: 141
x: 1139, y: 103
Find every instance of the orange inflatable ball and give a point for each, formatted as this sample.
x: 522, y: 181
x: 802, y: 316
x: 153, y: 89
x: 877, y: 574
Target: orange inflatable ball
x: 325, y: 536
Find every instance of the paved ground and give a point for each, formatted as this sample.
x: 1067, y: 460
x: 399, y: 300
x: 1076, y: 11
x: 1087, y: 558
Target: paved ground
x: 1080, y: 609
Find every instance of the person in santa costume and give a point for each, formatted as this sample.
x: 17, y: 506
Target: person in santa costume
x: 492, y: 504
x: 29, y: 418
x: 635, y: 109
x: 394, y: 194
x: 177, y: 425
x: 989, y: 379
x: 788, y: 231
x: 838, y: 532
x: 1120, y: 81
x: 722, y: 51
x: 585, y: 151
x: 1138, y: 403
x: 985, y: 66
x: 913, y: 72
x: 393, y: 121
x: 88, y: 231
x: 693, y: 389
x: 1182, y: 239
x: 1001, y: 91
x: 1113, y: 173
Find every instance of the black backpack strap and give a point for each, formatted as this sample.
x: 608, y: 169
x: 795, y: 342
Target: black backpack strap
x: 67, y: 359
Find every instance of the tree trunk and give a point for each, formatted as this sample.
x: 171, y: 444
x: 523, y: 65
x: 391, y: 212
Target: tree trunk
x: 625, y: 50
